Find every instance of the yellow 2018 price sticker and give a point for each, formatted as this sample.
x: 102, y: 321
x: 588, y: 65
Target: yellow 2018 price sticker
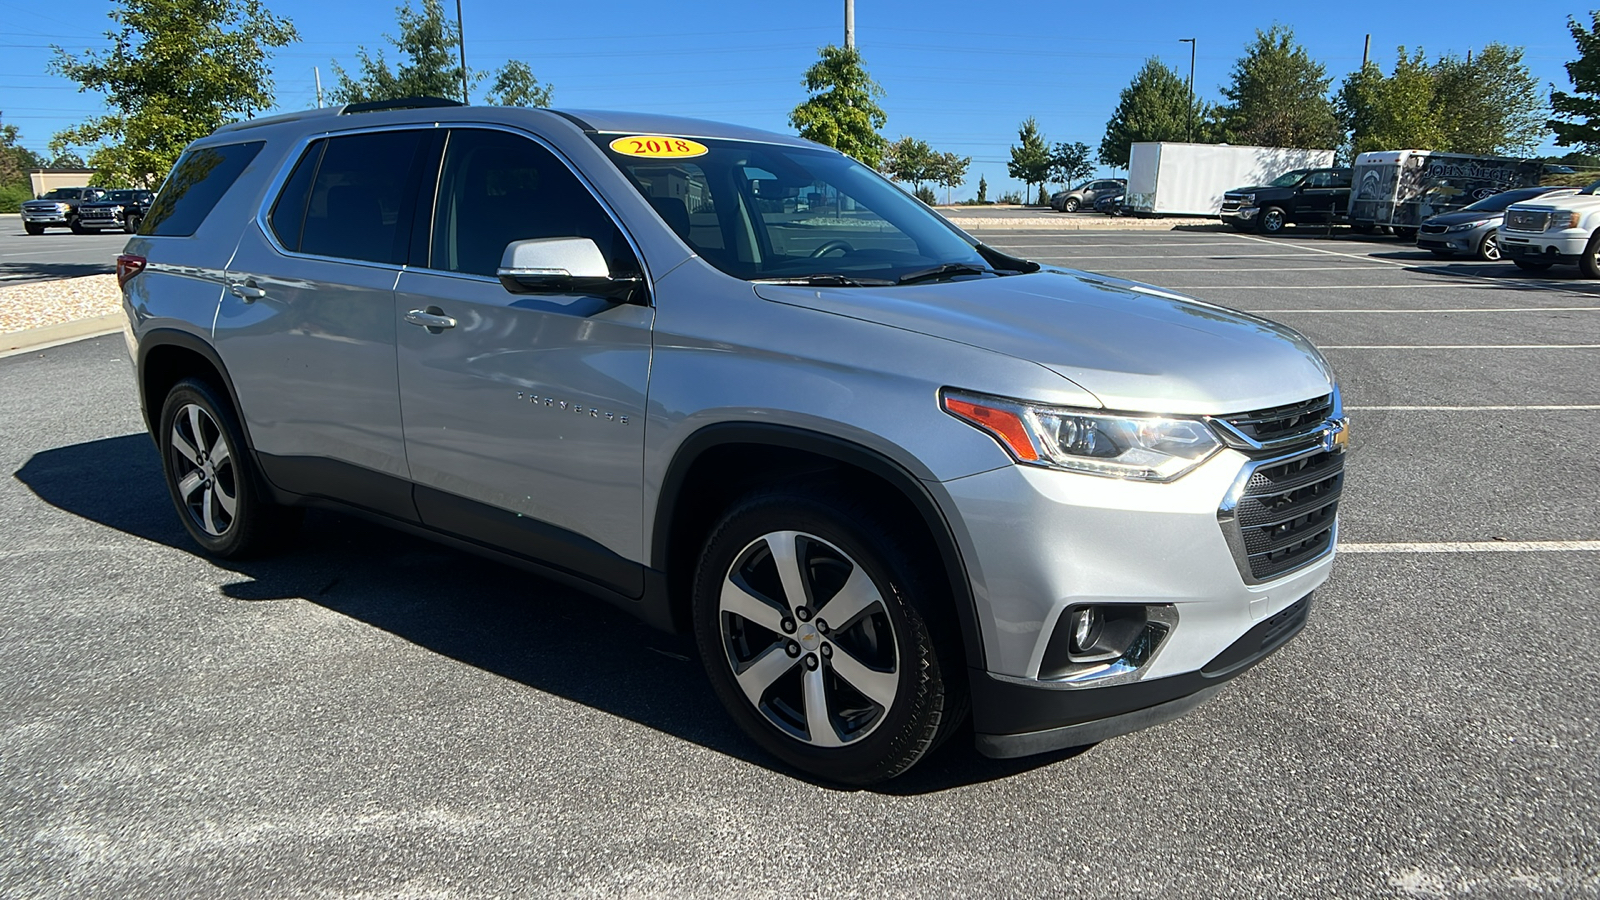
x: 657, y: 147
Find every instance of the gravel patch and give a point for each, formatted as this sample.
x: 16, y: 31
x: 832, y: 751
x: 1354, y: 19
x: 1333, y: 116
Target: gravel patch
x: 36, y: 305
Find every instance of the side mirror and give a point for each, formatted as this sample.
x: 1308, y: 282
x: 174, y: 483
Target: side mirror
x: 562, y: 265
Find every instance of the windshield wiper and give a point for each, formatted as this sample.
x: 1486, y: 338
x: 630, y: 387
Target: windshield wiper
x: 948, y: 270
x: 825, y: 279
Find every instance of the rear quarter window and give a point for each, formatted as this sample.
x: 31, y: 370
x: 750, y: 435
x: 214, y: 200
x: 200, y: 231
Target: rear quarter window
x: 195, y: 186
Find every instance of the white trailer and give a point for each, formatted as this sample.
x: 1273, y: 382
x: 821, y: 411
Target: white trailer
x: 1170, y: 179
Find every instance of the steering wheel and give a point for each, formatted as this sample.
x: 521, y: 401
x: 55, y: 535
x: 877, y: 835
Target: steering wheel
x: 830, y: 246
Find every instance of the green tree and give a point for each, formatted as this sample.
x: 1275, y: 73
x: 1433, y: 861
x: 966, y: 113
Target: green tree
x: 1577, y: 114
x: 1070, y: 162
x: 1396, y: 112
x: 514, y: 85
x: 909, y: 160
x: 1489, y: 103
x: 1031, y: 160
x: 842, y: 111
x: 983, y: 189
x: 1278, y: 95
x: 15, y: 159
x: 176, y: 71
x: 431, y: 67
x: 1154, y: 107
x: 949, y: 171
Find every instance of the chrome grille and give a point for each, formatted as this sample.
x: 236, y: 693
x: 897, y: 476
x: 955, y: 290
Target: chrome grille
x: 1278, y: 427
x: 1433, y: 229
x: 1534, y: 220
x: 1284, y: 517
x: 101, y: 213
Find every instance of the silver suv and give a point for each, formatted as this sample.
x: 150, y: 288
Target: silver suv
x: 743, y: 387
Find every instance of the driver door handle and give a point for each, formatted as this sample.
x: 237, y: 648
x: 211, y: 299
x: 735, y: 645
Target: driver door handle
x: 247, y: 290
x: 433, y: 321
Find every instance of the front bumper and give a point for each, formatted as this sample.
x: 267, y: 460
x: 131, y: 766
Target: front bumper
x: 1551, y: 247
x: 1042, y: 542
x: 44, y: 218
x: 1241, y: 216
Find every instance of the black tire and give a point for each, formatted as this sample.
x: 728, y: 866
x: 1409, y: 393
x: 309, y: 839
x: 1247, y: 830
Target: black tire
x: 1409, y: 235
x: 899, y: 642
x: 1531, y: 266
x: 1070, y: 204
x: 1489, y: 247
x: 76, y: 226
x: 197, y: 422
x: 1271, y: 220
x: 1363, y: 227
x: 130, y: 225
x: 1589, y: 263
x: 33, y: 228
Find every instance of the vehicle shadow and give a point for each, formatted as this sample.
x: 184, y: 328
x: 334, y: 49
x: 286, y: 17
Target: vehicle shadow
x: 479, y: 613
x: 24, y: 270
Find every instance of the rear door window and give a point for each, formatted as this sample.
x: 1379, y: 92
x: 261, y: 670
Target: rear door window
x: 195, y: 186
x: 361, y: 197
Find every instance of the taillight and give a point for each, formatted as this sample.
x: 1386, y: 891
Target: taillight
x: 128, y: 266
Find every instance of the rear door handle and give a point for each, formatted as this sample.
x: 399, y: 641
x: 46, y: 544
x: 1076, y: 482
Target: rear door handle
x: 432, y: 318
x: 246, y: 290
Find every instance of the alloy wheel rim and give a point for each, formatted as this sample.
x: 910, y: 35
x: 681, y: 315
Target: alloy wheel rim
x: 203, y: 470
x: 1273, y: 220
x: 808, y: 638
x: 1491, y: 248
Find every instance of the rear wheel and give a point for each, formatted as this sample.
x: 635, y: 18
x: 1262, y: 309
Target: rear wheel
x: 1489, y: 247
x: 33, y: 228
x: 1271, y: 220
x: 1531, y: 266
x: 212, y: 478
x: 826, y: 640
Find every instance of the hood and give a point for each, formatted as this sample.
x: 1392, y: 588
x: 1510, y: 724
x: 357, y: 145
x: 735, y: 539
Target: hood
x: 1252, y: 189
x: 1136, y: 348
x: 1462, y: 217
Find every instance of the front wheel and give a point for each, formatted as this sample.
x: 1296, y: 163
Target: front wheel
x: 1070, y: 204
x: 76, y: 226
x: 825, y: 639
x: 1271, y: 220
x: 212, y: 478
x: 1589, y: 263
x: 33, y: 228
x: 131, y: 225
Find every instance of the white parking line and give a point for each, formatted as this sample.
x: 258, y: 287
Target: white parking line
x: 1476, y: 547
x: 1458, y: 346
x: 1465, y: 309
x: 1275, y: 271
x: 1473, y: 408
x: 1309, y: 287
x: 1149, y: 256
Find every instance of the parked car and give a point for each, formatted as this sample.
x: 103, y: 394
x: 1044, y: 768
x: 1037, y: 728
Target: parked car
x: 1086, y: 194
x: 1297, y: 197
x: 1554, y: 229
x: 888, y: 477
x: 1474, y: 229
x: 1110, y: 204
x: 121, y: 210
x: 58, y: 209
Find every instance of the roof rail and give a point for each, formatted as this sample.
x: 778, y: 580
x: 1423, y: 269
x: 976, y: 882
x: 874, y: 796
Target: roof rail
x: 280, y: 118
x: 401, y: 103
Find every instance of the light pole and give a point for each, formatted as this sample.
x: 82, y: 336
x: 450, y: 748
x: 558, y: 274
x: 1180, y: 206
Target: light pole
x: 461, y: 40
x: 1190, y: 42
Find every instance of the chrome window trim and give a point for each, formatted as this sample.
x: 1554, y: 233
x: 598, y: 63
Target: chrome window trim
x: 286, y: 168
x: 1238, y: 440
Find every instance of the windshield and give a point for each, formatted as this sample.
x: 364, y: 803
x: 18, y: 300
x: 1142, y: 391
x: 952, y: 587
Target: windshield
x: 1289, y: 179
x: 123, y: 196
x: 1498, y: 202
x: 769, y: 212
x: 63, y: 194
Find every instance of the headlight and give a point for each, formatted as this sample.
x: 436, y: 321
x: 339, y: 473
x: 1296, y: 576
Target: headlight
x: 63, y: 207
x: 1465, y: 226
x: 1247, y: 200
x: 1142, y: 448
x: 1561, y: 220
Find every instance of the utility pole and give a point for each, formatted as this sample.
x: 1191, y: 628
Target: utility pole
x: 318, y: 73
x: 461, y: 42
x: 849, y: 24
x: 1366, y: 51
x: 1190, y: 42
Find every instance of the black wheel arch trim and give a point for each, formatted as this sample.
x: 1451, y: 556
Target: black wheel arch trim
x: 841, y: 450
x: 157, y: 338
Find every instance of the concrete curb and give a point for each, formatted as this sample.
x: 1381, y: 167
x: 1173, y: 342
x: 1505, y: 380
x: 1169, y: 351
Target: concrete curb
x: 19, y: 342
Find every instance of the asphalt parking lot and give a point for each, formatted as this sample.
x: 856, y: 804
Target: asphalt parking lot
x: 375, y: 716
x: 58, y: 253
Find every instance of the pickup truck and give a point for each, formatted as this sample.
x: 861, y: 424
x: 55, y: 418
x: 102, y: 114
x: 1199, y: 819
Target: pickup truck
x: 1298, y: 197
x: 1562, y: 230
x: 119, y: 210
x: 58, y: 209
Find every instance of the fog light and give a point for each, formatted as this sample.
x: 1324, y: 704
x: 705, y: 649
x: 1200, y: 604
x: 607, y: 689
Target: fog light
x: 1086, y: 625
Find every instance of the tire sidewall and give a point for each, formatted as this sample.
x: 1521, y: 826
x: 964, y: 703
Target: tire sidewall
x: 235, y: 541
x: 906, y: 730
x: 1267, y: 218
x: 1490, y: 240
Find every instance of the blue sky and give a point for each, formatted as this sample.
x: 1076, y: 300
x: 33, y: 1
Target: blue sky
x: 959, y: 76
